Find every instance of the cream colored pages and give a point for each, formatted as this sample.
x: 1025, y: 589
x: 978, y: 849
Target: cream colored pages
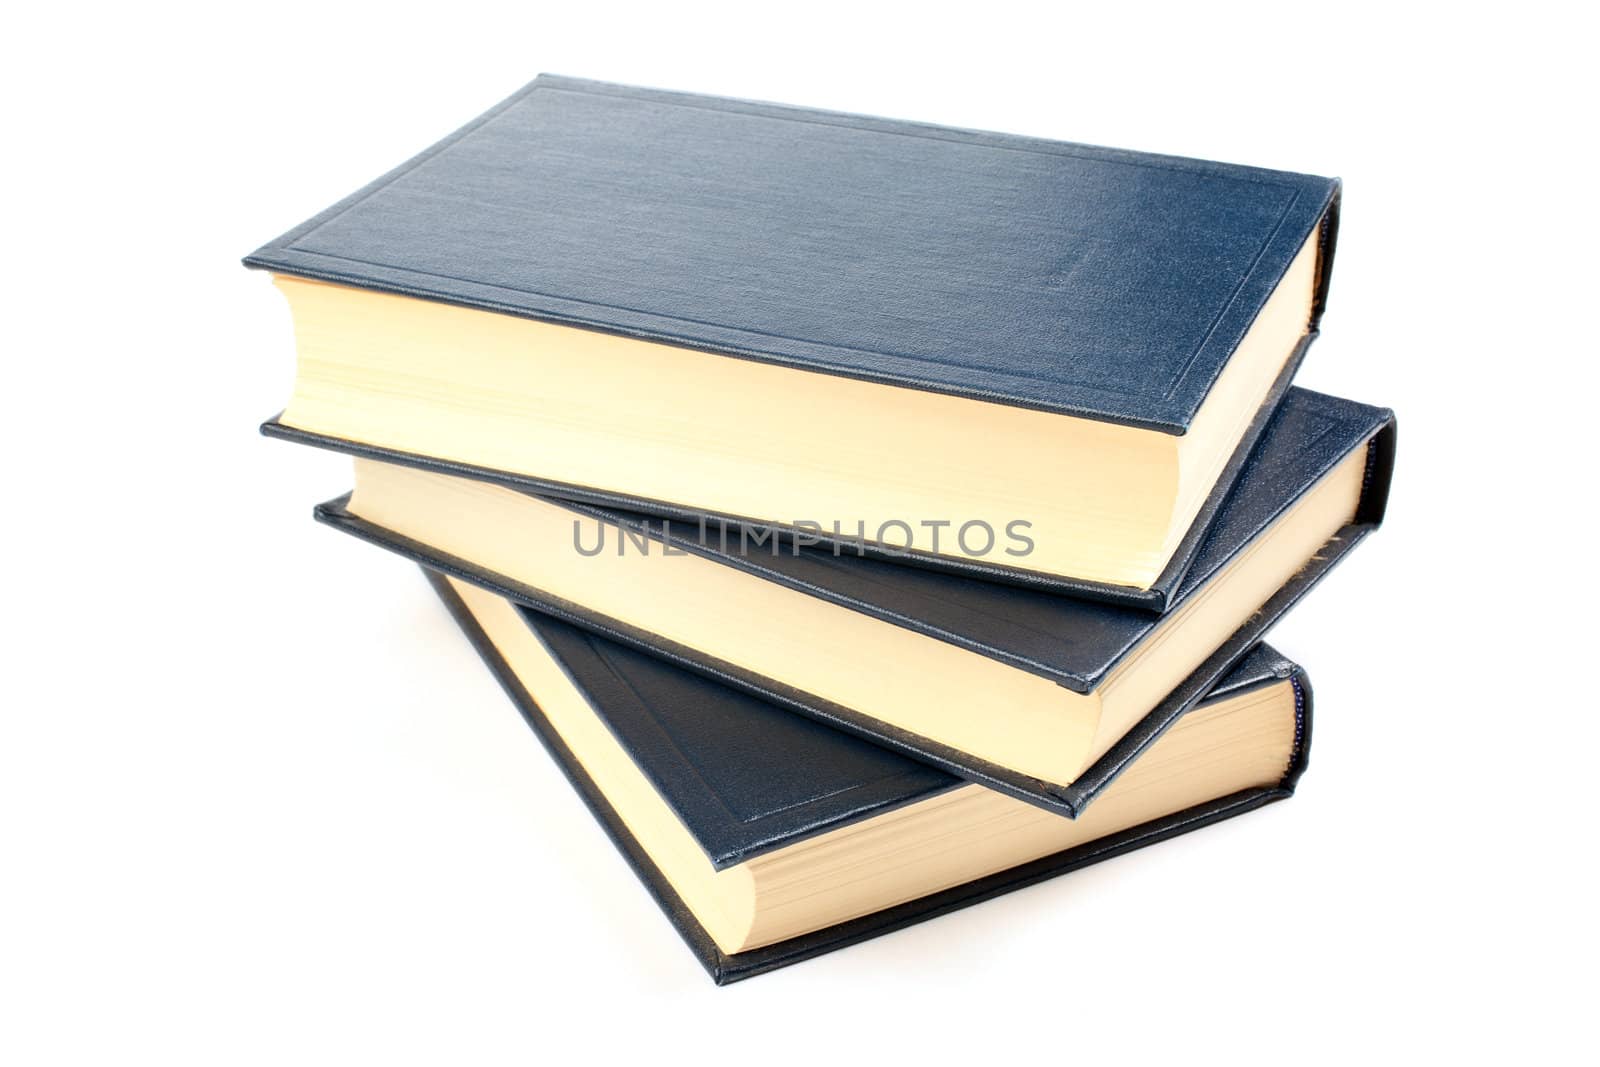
x: 954, y: 697
x: 953, y: 476
x: 955, y: 837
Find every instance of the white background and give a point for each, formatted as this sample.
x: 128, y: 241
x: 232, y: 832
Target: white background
x: 259, y: 802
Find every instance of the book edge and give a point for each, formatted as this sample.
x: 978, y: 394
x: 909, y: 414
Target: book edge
x: 1064, y: 798
x: 724, y: 968
x: 1171, y: 417
x: 569, y: 493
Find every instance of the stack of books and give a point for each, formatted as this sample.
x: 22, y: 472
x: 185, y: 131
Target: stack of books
x: 870, y: 517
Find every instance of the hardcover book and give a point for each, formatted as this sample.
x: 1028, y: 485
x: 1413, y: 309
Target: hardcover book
x: 932, y: 343
x: 1044, y: 697
x: 768, y: 839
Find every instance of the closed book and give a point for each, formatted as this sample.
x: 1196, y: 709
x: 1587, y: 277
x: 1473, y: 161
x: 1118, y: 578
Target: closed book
x: 1042, y: 696
x: 706, y: 307
x: 768, y: 839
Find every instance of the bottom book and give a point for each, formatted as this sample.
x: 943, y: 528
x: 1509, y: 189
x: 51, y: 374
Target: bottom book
x: 768, y: 838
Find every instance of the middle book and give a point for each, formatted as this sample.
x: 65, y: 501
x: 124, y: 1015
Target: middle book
x: 1038, y: 695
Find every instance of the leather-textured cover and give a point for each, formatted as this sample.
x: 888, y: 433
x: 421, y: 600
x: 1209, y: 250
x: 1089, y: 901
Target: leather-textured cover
x: 746, y: 777
x: 1074, y: 642
x: 1092, y: 282
x: 1088, y: 281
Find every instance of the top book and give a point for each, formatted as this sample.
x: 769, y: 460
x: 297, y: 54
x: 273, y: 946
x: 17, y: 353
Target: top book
x: 1038, y: 361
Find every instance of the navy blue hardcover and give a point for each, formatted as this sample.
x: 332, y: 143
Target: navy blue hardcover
x: 746, y: 777
x: 1094, y: 282
x: 1088, y: 281
x: 1074, y: 642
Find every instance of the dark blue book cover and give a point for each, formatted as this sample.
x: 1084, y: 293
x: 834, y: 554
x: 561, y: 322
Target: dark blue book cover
x: 747, y: 778
x: 902, y: 252
x: 1096, y: 283
x: 1073, y: 643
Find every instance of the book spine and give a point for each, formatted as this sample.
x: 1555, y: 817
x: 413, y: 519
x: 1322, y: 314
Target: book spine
x: 1327, y: 242
x: 1380, y: 472
x: 1301, y: 757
